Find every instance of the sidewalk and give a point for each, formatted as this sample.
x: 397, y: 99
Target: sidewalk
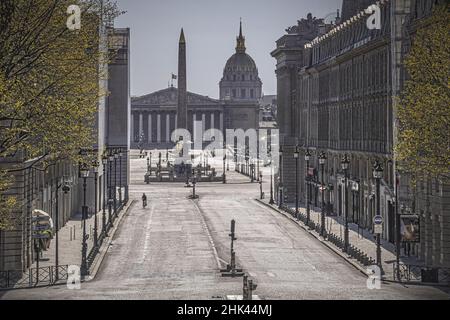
x: 364, y: 240
x: 69, y: 241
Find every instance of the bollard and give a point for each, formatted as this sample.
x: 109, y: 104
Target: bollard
x: 245, y: 288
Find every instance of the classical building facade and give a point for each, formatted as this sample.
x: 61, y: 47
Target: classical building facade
x: 155, y: 116
x: 336, y: 85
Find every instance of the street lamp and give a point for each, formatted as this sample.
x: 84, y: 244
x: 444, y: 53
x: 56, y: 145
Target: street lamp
x: 378, y: 175
x: 308, y: 211
x: 260, y: 185
x: 121, y: 154
x: 105, y: 163
x: 280, y: 187
x: 95, y: 165
x: 110, y: 160
x: 345, y: 162
x: 296, y: 157
x: 84, y: 172
x: 224, y: 178
x: 271, y: 201
x: 116, y: 156
x: 322, y: 159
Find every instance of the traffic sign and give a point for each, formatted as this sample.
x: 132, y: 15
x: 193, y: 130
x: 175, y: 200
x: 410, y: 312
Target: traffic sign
x: 378, y: 229
x: 377, y: 220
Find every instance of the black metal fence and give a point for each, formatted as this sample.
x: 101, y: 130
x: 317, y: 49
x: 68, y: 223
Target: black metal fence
x: 417, y: 273
x: 51, y: 275
x: 352, y: 251
x: 15, y: 279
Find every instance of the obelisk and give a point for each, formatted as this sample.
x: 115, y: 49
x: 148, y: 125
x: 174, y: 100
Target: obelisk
x: 182, y: 87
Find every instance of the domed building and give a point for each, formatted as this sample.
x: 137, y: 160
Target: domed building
x: 156, y: 115
x: 240, y: 76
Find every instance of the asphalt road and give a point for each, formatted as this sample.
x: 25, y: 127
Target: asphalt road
x: 173, y: 250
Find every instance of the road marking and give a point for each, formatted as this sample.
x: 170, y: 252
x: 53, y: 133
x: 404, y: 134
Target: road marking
x: 147, y: 236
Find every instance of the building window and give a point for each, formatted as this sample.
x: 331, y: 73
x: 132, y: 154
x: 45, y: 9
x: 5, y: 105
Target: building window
x: 234, y: 93
x: 252, y: 93
x: 234, y: 77
x: 243, y: 77
x: 242, y: 93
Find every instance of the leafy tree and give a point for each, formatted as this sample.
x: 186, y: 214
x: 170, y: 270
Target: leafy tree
x: 49, y: 81
x: 423, y: 147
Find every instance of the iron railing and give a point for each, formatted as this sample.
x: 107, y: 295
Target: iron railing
x: 51, y: 275
x: 417, y: 273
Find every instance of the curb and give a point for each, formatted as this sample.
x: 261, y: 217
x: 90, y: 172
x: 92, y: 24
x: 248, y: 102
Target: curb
x: 324, y: 242
x: 105, y: 246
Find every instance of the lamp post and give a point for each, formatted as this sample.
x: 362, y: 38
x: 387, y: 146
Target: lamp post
x: 322, y: 159
x: 121, y: 154
x: 105, y: 163
x: 84, y: 172
x: 224, y: 177
x: 95, y: 165
x: 110, y: 160
x: 308, y: 211
x: 280, y: 187
x: 296, y: 154
x: 116, y: 156
x: 260, y: 186
x: 345, y: 164
x: 378, y: 175
x: 271, y: 201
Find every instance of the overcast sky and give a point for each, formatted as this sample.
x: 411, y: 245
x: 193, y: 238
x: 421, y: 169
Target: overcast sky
x: 210, y: 27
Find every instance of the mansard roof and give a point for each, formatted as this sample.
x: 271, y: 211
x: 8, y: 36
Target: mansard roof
x: 169, y: 97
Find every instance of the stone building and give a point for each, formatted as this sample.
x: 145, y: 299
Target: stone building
x: 38, y: 187
x: 335, y: 95
x: 154, y: 116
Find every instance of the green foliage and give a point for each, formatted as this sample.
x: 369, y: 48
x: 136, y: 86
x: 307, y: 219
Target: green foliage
x: 50, y: 80
x: 423, y: 147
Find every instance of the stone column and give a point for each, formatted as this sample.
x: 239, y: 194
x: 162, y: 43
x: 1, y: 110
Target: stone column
x: 203, y: 122
x: 141, y: 122
x: 149, y: 127
x: 221, y: 121
x: 212, y: 120
x: 158, y: 128
x: 168, y: 127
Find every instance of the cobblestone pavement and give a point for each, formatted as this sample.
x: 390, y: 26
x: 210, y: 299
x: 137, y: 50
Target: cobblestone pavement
x: 174, y: 247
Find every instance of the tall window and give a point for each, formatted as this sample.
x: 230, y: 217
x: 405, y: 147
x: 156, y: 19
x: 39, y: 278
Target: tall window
x: 243, y: 77
x: 252, y: 93
x: 234, y: 77
x: 242, y: 93
x: 234, y: 93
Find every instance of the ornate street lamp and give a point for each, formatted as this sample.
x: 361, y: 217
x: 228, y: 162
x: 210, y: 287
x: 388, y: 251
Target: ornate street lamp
x: 84, y: 173
x: 110, y: 199
x: 308, y: 211
x: 95, y: 165
x: 116, y: 156
x: 121, y: 154
x: 105, y: 163
x: 224, y: 177
x: 322, y: 159
x: 280, y: 187
x: 345, y: 162
x: 378, y: 175
x: 271, y: 201
x: 296, y: 157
